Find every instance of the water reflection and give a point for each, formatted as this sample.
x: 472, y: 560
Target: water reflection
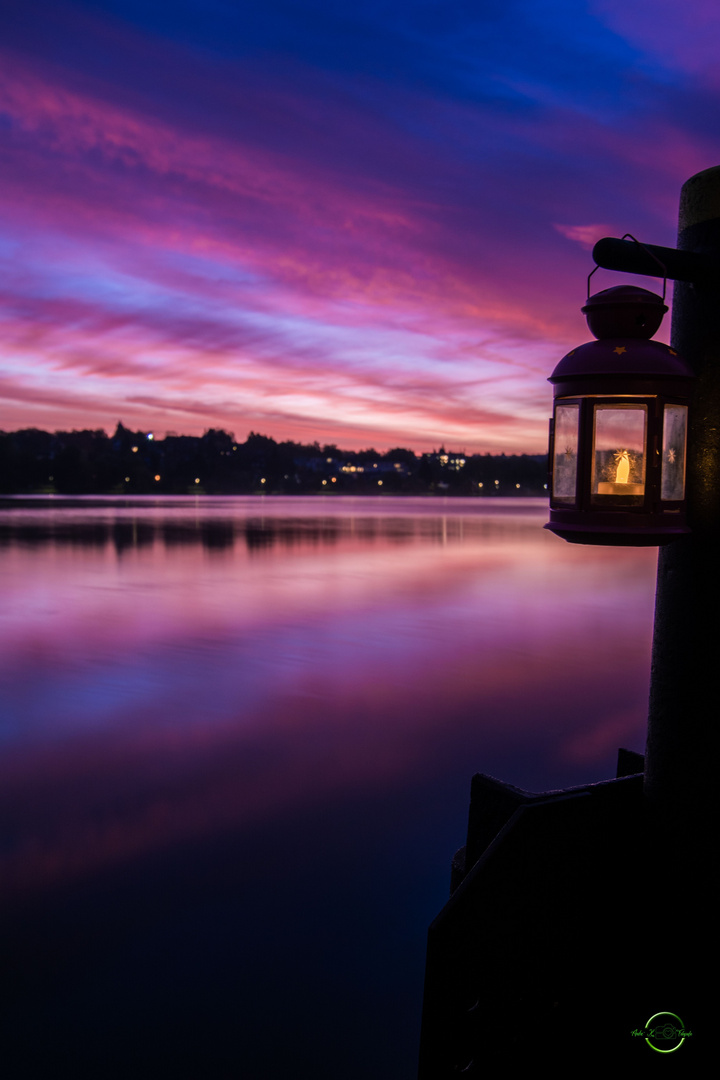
x: 187, y: 676
x: 382, y: 638
x: 256, y: 523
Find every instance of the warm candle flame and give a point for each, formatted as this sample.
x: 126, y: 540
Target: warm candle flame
x: 623, y: 469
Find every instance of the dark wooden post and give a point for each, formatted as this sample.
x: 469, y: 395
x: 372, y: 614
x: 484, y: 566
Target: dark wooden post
x: 681, y: 756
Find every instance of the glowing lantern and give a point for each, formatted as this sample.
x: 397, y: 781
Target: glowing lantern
x: 619, y: 430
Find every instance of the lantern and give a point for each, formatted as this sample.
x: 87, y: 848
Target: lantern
x: 619, y: 429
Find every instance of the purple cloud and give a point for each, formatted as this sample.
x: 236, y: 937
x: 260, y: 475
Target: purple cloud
x: 374, y: 226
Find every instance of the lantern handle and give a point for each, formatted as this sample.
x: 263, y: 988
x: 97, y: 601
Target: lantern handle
x: 653, y: 256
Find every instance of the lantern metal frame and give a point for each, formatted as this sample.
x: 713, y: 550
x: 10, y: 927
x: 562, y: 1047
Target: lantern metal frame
x: 621, y: 373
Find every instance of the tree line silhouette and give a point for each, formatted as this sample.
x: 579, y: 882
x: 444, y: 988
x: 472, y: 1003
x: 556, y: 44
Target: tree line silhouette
x: 135, y: 462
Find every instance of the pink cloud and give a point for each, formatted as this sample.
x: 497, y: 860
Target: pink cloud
x: 228, y: 266
x: 304, y: 227
x: 585, y: 235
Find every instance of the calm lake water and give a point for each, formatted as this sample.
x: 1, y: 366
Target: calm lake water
x: 237, y: 737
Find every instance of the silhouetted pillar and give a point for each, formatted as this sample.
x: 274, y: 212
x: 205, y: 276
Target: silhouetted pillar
x: 684, y: 715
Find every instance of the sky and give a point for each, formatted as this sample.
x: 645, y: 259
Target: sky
x: 366, y: 225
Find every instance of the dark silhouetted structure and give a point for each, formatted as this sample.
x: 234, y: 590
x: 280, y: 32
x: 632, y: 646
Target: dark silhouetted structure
x: 576, y: 916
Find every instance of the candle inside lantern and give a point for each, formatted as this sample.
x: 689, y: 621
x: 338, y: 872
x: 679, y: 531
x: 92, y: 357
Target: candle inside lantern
x: 619, y: 469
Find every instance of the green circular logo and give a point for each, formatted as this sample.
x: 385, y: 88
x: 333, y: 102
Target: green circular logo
x: 665, y: 1032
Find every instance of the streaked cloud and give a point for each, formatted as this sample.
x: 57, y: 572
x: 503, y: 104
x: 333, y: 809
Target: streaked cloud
x: 375, y: 225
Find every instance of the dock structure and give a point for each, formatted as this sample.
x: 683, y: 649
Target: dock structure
x: 581, y: 930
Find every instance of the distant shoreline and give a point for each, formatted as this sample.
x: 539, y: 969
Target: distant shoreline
x: 34, y: 462
x: 334, y: 496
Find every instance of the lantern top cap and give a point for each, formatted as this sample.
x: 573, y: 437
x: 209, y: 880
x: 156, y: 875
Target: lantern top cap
x: 624, y: 294
x: 624, y: 311
x: 620, y: 358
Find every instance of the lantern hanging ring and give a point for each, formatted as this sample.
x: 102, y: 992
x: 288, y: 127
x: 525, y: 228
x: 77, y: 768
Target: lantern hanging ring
x: 653, y: 256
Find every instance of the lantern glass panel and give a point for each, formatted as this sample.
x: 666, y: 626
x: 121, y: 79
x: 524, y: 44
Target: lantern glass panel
x: 672, y: 481
x: 565, y: 456
x: 618, y: 460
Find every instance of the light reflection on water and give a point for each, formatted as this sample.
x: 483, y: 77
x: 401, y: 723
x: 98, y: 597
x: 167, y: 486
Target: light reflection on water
x: 173, y: 668
x: 381, y: 625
